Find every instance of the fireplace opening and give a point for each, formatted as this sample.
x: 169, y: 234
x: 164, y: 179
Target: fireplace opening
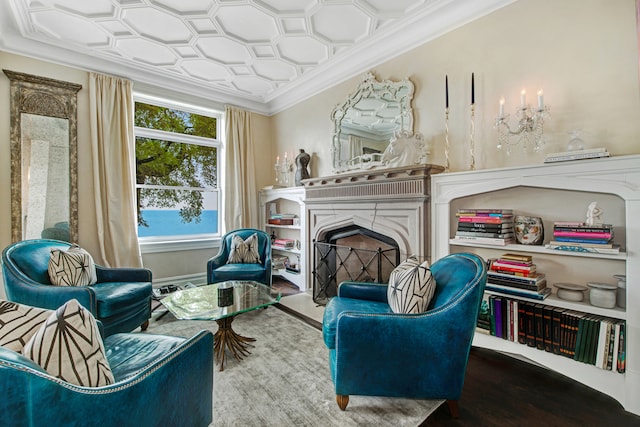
x: 351, y: 253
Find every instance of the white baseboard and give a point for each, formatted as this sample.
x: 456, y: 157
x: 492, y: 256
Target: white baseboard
x: 196, y: 279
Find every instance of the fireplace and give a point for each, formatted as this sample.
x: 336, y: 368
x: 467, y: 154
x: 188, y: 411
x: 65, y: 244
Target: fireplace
x: 352, y: 253
x: 380, y: 209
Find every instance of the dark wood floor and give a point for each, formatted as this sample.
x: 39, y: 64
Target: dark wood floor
x: 502, y: 391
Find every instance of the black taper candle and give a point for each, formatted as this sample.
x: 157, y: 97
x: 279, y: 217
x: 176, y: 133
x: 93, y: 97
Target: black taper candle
x: 473, y: 90
x: 446, y: 91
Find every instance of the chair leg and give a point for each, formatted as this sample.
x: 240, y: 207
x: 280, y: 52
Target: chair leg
x: 144, y: 326
x: 453, y: 408
x: 343, y: 401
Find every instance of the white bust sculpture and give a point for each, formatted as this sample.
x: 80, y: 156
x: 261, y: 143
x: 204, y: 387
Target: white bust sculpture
x: 594, y: 214
x: 404, y: 150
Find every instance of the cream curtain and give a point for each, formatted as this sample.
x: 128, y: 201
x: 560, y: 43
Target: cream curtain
x: 240, y: 206
x: 113, y: 153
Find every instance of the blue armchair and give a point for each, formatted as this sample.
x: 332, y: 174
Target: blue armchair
x: 219, y: 270
x: 121, y: 299
x: 159, y: 381
x: 376, y: 352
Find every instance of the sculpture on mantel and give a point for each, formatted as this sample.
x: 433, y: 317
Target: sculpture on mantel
x: 405, y: 149
x: 302, y: 162
x: 594, y: 214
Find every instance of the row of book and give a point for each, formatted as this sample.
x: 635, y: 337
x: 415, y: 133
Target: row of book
x: 282, y: 219
x: 591, y: 339
x: 489, y: 226
x: 281, y: 243
x: 582, y: 237
x: 517, y: 275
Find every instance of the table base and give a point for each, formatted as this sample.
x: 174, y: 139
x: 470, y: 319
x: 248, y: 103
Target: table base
x: 226, y: 338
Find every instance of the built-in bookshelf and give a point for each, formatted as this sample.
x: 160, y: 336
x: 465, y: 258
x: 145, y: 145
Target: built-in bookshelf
x: 282, y: 215
x: 559, y: 192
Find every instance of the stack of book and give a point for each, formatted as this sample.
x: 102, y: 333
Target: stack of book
x: 580, y: 237
x: 279, y: 262
x: 282, y: 219
x: 595, y: 340
x: 284, y: 244
x: 489, y: 226
x: 591, y: 153
x: 515, y: 274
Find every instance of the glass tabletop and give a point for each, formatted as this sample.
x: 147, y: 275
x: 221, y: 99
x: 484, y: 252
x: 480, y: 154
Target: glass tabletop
x: 219, y: 300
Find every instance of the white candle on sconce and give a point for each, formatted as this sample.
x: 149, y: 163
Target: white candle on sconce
x: 523, y: 99
x: 277, y: 160
x: 501, y: 114
x: 540, y: 100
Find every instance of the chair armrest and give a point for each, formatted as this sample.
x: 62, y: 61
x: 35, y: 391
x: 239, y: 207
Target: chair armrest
x: 30, y: 292
x: 185, y: 375
x: 106, y: 274
x: 363, y: 290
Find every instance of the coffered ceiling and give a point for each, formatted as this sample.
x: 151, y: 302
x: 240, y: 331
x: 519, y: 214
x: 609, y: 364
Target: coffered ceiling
x: 265, y: 55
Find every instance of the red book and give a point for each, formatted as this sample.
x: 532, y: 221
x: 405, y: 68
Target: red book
x: 583, y: 235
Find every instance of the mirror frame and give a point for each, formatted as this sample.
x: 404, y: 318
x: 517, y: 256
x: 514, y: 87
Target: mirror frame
x: 370, y: 87
x: 44, y: 97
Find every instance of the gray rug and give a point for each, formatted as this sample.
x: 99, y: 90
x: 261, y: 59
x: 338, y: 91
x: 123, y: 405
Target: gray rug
x: 285, y: 381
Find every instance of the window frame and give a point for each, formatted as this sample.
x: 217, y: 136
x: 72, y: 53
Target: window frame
x: 154, y: 244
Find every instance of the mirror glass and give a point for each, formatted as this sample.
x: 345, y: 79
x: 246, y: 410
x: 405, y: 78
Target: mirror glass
x: 365, y: 123
x: 43, y: 158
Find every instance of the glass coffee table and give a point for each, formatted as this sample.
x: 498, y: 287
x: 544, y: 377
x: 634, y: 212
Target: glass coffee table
x: 222, y: 302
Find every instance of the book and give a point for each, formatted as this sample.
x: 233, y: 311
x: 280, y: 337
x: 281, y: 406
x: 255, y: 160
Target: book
x: 544, y: 293
x: 530, y: 331
x: 580, y: 240
x: 615, y: 249
x: 556, y: 329
x: 621, y: 350
x: 482, y: 226
x: 517, y: 257
x: 582, y: 245
x: 533, y: 287
x: 531, y: 278
x: 485, y: 234
x: 576, y: 155
x: 583, y: 235
x: 484, y: 220
x: 484, y: 211
x: 547, y: 328
x: 486, y: 240
x: 522, y: 337
x: 498, y: 265
x: 280, y: 221
x: 539, y: 326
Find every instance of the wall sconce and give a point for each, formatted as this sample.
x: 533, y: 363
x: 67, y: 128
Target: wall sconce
x: 530, y: 127
x: 282, y: 170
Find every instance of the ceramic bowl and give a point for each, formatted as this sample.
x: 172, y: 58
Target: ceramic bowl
x: 602, y: 295
x: 570, y: 291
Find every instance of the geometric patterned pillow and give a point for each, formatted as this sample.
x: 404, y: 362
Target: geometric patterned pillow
x: 68, y: 346
x: 244, y: 251
x: 411, y: 287
x: 18, y: 323
x: 73, y: 267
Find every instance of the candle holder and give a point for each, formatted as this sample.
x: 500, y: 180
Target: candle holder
x: 446, y: 139
x: 529, y: 130
x: 472, y: 147
x: 283, y: 169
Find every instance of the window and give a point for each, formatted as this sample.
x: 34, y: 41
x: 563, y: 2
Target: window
x: 177, y: 171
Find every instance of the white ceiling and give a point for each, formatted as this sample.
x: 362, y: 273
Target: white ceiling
x: 264, y: 55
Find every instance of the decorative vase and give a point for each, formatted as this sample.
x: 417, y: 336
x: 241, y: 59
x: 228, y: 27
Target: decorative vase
x: 529, y: 230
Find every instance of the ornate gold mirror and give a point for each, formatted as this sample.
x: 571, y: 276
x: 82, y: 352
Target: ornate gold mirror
x: 44, y: 187
x: 377, y: 113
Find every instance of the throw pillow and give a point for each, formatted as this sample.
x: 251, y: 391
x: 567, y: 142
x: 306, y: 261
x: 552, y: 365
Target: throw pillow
x: 244, y: 251
x: 18, y: 323
x: 411, y: 287
x: 73, y: 267
x: 68, y: 346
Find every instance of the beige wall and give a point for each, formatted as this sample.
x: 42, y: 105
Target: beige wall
x: 583, y: 54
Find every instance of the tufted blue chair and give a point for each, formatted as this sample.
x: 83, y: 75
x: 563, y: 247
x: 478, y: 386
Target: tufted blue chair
x: 376, y: 352
x: 159, y: 381
x: 218, y: 270
x: 121, y: 299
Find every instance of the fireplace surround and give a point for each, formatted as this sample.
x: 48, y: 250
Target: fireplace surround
x: 392, y: 203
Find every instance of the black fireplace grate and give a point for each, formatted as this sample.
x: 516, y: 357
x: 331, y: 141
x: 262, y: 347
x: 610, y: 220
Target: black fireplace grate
x: 334, y: 264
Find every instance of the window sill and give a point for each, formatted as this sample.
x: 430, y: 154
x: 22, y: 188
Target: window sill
x: 156, y: 246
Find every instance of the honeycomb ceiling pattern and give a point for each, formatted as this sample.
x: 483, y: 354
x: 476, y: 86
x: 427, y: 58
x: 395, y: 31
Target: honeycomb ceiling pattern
x: 254, y: 49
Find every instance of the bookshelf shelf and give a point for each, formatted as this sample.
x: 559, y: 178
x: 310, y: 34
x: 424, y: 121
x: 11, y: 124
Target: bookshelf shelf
x: 558, y: 192
x: 289, y: 200
x: 622, y: 256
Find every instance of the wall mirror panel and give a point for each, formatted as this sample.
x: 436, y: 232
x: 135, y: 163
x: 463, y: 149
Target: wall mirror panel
x: 44, y: 188
x: 368, y: 120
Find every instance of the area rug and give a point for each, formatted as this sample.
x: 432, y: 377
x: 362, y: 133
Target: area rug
x: 285, y: 381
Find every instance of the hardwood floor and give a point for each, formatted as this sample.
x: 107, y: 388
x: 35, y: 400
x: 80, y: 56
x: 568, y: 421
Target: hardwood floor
x: 502, y: 391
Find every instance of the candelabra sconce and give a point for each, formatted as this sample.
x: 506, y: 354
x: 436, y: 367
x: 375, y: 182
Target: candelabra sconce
x: 283, y: 169
x: 530, y: 126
